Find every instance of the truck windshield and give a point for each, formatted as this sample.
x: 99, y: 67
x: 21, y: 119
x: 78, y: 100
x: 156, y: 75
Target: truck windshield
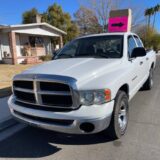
x: 96, y: 46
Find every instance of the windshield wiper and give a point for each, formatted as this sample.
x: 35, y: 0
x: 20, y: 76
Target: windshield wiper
x: 101, y: 56
x: 63, y: 56
x: 92, y: 55
x: 82, y: 55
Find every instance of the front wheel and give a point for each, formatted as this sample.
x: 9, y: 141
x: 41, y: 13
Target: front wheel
x: 119, y: 121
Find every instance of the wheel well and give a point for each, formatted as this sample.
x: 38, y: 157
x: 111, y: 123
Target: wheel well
x: 125, y: 88
x: 152, y: 66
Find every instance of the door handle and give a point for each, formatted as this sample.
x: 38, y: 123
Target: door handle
x: 147, y: 58
x: 141, y: 63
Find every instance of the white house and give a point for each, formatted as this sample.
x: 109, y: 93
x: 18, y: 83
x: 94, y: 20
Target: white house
x: 25, y: 43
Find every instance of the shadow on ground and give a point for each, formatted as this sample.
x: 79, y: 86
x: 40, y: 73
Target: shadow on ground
x: 4, y: 92
x: 36, y: 143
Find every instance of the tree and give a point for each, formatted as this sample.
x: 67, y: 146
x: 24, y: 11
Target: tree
x: 72, y: 32
x: 87, y: 21
x: 156, y: 42
x: 156, y: 10
x: 101, y: 9
x: 148, y: 13
x: 151, y: 39
x: 56, y: 17
x: 29, y: 15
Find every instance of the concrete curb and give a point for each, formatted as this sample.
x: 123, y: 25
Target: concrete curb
x: 8, y: 122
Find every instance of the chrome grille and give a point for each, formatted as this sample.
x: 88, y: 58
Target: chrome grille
x: 45, y: 91
x: 49, y: 86
x: 24, y: 96
x: 23, y: 84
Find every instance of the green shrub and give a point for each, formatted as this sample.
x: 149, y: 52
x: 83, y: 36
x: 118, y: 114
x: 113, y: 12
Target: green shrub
x: 150, y: 37
x: 47, y: 57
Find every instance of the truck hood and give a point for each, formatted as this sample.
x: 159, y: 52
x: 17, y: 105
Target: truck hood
x: 78, y: 68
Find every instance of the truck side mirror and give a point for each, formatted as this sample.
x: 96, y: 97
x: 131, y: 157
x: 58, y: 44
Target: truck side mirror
x: 138, y: 52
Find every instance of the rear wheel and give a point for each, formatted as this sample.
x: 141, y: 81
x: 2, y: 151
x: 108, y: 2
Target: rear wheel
x: 119, y: 121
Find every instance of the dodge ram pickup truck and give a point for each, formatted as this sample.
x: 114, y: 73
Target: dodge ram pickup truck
x: 87, y: 87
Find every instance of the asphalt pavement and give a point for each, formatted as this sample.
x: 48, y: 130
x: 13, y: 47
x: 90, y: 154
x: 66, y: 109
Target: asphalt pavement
x: 142, y: 141
x: 6, y: 120
x: 4, y: 110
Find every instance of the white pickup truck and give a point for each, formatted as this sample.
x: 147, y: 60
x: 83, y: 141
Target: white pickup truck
x: 87, y: 87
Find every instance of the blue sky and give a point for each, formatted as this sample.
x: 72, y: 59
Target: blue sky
x: 11, y: 10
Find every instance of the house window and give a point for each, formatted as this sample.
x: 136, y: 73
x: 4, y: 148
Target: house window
x: 36, y: 41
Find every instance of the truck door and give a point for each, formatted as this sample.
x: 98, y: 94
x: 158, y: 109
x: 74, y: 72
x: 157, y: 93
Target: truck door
x: 144, y: 65
x: 134, y: 65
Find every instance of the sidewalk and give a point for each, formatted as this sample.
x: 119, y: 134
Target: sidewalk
x: 6, y: 119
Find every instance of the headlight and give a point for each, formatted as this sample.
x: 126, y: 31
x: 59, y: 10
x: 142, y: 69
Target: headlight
x: 87, y: 97
x: 95, y: 97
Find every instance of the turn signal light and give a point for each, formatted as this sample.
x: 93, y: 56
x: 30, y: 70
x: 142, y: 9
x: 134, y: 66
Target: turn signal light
x: 108, y: 94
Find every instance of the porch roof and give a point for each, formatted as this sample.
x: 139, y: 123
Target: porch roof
x: 43, y: 29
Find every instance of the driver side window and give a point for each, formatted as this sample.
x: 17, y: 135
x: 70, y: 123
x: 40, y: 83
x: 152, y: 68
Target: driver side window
x: 131, y: 45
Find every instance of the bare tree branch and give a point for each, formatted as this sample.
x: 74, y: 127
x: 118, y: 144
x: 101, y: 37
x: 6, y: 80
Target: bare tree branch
x: 101, y: 9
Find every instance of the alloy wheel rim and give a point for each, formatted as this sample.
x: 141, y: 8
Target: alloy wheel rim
x: 122, y: 117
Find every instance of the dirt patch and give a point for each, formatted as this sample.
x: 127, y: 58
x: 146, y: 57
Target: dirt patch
x: 7, y: 72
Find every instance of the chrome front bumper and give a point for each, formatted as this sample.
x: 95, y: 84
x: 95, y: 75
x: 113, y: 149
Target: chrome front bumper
x: 99, y: 116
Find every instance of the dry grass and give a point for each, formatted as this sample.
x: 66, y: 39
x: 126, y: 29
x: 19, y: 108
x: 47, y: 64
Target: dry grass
x: 6, y: 74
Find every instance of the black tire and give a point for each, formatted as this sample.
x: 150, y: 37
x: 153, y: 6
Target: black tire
x: 116, y: 131
x: 149, y: 83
